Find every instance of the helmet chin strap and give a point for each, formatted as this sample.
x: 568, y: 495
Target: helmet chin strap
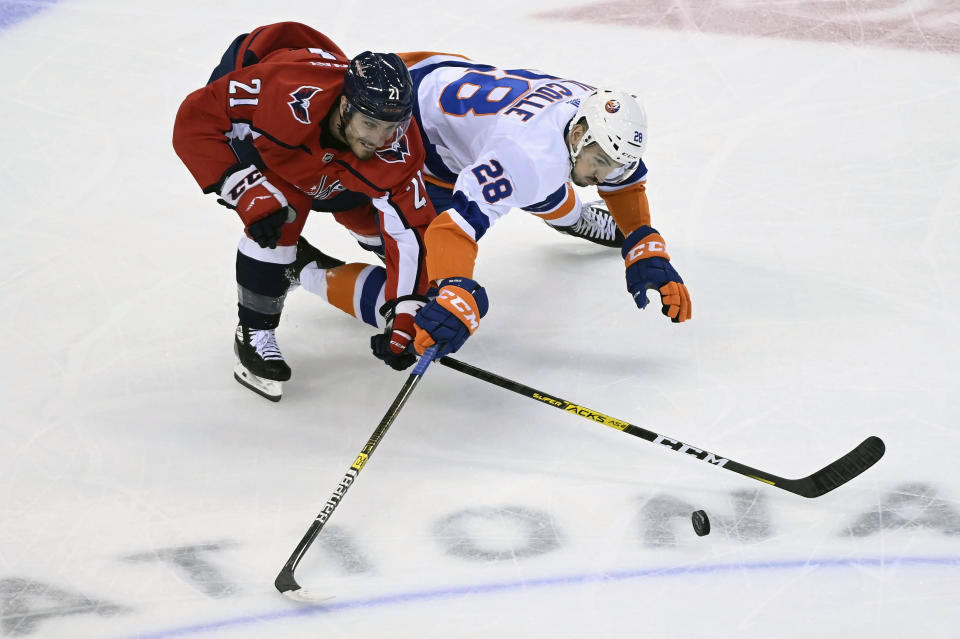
x: 575, y: 151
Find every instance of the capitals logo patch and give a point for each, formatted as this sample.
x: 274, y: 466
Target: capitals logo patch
x: 300, y: 104
x: 399, y: 151
x: 612, y: 106
x: 325, y: 191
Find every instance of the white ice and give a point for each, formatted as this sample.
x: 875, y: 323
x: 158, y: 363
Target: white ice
x: 809, y: 194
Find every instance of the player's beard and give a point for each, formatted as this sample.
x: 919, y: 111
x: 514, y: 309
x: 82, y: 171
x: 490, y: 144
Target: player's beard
x: 360, y: 147
x: 581, y: 181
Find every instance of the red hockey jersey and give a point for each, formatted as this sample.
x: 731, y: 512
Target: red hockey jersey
x: 274, y: 111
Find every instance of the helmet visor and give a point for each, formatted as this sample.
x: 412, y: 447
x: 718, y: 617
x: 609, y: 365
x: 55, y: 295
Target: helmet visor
x: 622, y: 172
x: 391, y: 131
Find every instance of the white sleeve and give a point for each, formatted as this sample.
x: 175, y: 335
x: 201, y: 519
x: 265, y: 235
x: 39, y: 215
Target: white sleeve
x: 502, y: 178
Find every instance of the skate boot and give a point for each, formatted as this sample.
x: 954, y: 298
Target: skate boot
x: 260, y: 366
x: 308, y: 254
x: 595, y: 225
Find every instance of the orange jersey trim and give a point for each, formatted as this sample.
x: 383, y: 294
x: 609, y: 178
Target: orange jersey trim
x: 450, y: 251
x: 436, y: 182
x: 629, y: 207
x: 565, y: 207
x: 410, y: 58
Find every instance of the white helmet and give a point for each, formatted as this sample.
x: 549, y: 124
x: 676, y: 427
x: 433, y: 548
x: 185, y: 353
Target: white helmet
x: 617, y: 122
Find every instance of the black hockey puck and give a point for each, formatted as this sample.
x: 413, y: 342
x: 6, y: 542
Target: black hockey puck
x: 701, y: 523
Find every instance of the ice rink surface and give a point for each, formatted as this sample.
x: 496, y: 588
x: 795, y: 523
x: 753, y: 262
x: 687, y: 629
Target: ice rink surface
x: 805, y: 171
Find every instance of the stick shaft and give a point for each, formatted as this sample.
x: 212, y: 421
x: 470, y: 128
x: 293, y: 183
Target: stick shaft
x: 285, y: 580
x: 824, y: 480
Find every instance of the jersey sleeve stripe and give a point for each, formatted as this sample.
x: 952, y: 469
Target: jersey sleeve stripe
x: 468, y: 216
x: 438, y: 182
x: 413, y: 58
x: 372, y: 287
x: 559, y: 204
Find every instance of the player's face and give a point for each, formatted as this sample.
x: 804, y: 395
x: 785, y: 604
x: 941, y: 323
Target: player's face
x: 365, y: 135
x: 593, y: 166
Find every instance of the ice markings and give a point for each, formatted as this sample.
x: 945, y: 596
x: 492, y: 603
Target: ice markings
x: 14, y: 11
x: 24, y: 603
x: 909, y: 506
x: 492, y: 534
x: 660, y: 514
x: 190, y: 562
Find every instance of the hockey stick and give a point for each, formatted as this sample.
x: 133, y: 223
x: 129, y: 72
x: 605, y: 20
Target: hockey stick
x: 865, y: 455
x: 285, y: 581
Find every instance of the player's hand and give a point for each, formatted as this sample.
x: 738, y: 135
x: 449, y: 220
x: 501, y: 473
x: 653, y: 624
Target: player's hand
x: 451, y: 317
x: 393, y: 346
x: 648, y: 266
x: 261, y: 206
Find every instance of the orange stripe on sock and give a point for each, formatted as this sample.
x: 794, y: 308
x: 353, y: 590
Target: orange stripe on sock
x: 341, y: 284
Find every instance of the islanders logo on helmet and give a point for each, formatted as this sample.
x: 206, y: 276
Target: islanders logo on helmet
x: 300, y: 104
x: 612, y: 106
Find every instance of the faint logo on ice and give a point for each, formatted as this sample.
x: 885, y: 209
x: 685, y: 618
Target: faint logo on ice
x: 658, y: 524
x: 910, y: 24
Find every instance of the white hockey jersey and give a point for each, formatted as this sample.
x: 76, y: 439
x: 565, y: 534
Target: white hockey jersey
x: 498, y: 139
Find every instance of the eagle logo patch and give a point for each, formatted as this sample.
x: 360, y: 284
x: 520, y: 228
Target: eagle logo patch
x: 300, y: 104
x: 399, y: 151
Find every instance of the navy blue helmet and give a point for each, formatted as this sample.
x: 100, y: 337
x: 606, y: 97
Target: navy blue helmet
x: 379, y: 86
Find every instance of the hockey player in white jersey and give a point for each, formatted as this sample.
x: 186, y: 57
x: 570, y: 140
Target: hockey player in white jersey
x: 503, y: 139
x: 518, y: 118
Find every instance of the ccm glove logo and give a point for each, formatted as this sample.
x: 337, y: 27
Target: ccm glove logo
x: 650, y: 246
x: 454, y: 299
x: 238, y: 183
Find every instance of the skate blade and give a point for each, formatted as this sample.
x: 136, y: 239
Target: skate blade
x: 271, y: 389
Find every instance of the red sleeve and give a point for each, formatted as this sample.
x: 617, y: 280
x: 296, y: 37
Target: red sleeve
x: 198, y: 137
x: 276, y: 106
x: 394, y: 181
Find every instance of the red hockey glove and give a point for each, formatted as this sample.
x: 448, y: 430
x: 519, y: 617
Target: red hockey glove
x: 648, y: 266
x: 393, y: 345
x: 261, y: 205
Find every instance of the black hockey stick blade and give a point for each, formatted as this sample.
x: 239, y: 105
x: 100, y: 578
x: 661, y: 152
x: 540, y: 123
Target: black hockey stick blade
x: 289, y: 587
x: 285, y: 581
x: 865, y: 455
x: 819, y: 483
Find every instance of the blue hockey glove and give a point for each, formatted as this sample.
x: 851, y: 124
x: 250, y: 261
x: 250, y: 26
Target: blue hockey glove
x: 648, y: 266
x: 451, y: 317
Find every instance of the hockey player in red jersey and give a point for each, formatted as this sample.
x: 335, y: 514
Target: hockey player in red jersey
x: 288, y: 124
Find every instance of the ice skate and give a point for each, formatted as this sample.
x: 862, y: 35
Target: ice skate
x: 595, y: 225
x: 308, y: 254
x: 260, y: 366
